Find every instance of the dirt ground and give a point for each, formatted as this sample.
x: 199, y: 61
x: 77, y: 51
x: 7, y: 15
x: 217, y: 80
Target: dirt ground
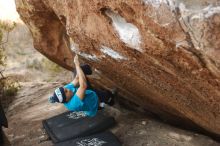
x: 30, y: 107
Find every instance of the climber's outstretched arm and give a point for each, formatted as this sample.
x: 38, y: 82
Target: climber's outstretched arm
x: 82, y: 79
x: 76, y: 81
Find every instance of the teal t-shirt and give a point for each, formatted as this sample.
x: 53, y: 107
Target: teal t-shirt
x: 89, y: 104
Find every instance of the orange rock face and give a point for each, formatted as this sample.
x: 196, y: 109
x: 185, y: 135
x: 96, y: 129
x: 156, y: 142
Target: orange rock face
x: 163, y: 55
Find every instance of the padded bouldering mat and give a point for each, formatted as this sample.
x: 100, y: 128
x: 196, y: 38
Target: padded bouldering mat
x: 101, y: 139
x: 71, y: 125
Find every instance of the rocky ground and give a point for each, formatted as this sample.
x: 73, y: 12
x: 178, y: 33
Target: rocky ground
x: 30, y: 107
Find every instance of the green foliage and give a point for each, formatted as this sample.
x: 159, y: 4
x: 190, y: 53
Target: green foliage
x: 7, y: 87
x: 2, y: 57
x: 34, y: 64
x: 44, y: 65
x: 50, y: 66
x: 1, y: 35
x: 4, y: 27
x: 11, y: 87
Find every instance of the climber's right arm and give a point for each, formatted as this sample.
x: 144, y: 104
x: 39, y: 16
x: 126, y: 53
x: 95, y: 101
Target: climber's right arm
x: 76, y: 81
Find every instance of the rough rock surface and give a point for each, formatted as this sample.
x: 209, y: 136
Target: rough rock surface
x: 163, y: 55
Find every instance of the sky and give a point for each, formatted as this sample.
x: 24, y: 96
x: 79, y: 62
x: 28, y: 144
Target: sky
x: 8, y: 10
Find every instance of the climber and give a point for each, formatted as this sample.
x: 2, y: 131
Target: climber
x: 79, y: 95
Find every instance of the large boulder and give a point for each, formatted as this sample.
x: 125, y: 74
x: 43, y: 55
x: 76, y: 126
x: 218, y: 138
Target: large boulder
x: 163, y: 55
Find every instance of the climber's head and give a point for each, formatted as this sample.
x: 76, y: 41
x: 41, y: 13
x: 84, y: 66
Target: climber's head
x: 61, y: 95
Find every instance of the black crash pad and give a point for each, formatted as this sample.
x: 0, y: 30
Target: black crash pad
x: 71, y: 125
x: 101, y: 139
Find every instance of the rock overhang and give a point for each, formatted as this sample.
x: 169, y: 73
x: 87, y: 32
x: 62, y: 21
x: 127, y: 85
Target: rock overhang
x: 162, y: 55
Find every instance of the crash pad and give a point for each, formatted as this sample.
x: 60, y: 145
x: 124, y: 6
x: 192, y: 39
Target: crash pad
x: 71, y: 125
x: 100, y: 139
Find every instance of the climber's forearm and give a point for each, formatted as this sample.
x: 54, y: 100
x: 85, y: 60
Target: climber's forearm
x: 81, y: 76
x: 76, y: 81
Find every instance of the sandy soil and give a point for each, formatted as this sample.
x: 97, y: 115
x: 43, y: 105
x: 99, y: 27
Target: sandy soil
x: 30, y: 107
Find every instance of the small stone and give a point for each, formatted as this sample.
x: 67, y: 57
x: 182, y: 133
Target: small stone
x: 143, y: 122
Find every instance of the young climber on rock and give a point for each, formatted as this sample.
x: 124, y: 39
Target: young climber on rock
x: 78, y: 95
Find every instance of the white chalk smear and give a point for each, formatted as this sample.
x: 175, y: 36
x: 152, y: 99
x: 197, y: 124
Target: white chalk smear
x: 154, y: 3
x: 75, y: 48
x: 158, y: 3
x: 128, y: 32
x: 199, y: 13
x: 112, y: 53
x: 91, y: 57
